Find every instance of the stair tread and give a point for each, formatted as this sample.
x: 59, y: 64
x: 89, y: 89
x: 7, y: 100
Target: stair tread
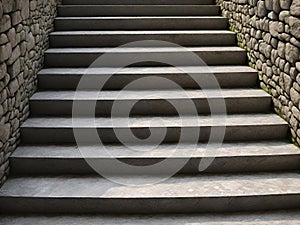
x: 137, y: 2
x: 143, y: 122
x: 142, y: 32
x: 149, y: 70
x: 183, y: 186
x: 137, y: 5
x: 288, y: 217
x: 238, y: 149
x: 144, y: 49
x: 149, y: 94
x: 138, y: 17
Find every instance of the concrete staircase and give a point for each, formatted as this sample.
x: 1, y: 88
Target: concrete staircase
x: 255, y: 170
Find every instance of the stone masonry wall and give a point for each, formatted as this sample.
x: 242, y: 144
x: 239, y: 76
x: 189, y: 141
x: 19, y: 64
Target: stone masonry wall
x: 270, y: 32
x: 24, y: 29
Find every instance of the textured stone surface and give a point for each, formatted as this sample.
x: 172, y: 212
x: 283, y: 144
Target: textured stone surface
x: 24, y: 27
x: 4, y: 132
x: 273, y: 217
x: 294, y: 23
x: 291, y: 53
x: 285, y: 4
x: 5, y: 23
x: 261, y: 9
x: 295, y: 8
x: 272, y: 38
x: 5, y: 52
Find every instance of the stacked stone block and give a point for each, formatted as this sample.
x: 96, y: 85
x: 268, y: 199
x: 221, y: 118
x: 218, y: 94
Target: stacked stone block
x: 24, y: 29
x: 270, y: 32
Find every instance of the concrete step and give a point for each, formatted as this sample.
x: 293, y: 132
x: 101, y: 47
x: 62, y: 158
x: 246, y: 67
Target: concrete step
x: 275, y: 217
x: 138, y: 10
x: 229, y: 158
x: 185, y: 77
x: 179, y: 194
x: 244, y: 127
x: 138, y: 2
x: 116, y: 38
x: 141, y: 23
x: 146, y: 56
x: 152, y: 102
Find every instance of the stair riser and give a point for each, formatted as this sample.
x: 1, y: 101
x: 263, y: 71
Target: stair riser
x: 137, y: 10
x: 148, y: 205
x: 66, y: 24
x: 151, y: 107
x: 118, y: 82
x: 74, y: 40
x: 86, y: 59
x: 233, y: 133
x: 56, y: 166
x: 139, y: 2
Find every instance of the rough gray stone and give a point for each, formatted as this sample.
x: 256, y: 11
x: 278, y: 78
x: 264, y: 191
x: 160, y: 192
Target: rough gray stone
x: 284, y: 37
x: 18, y: 4
x: 3, y: 39
x: 296, y: 86
x: 13, y: 86
x: 7, y: 5
x: 291, y: 53
x: 32, y: 5
x: 30, y: 41
x: 35, y: 29
x: 285, y: 4
x: 287, y: 82
x: 261, y: 9
x: 284, y: 16
x: 296, y: 112
x: 1, y: 10
x: 295, y: 42
x: 267, y: 38
x: 281, y: 64
x: 14, y: 56
x: 276, y: 27
x: 258, y: 34
x: 23, y: 48
x: 269, y: 4
x: 276, y: 6
x: 14, y: 69
x: 274, y: 42
x: 5, y: 23
x: 294, y: 123
x: 272, y: 16
x: 16, y: 61
x: 298, y: 66
x: 13, y: 37
x: 3, y: 70
x: 295, y: 8
x: 281, y: 49
x: 16, y: 18
x: 5, y: 52
x: 294, y: 23
x: 293, y: 73
x: 25, y: 9
x: 4, y: 132
x: 295, y: 96
x: 287, y: 68
x: 274, y: 56
x: 286, y: 28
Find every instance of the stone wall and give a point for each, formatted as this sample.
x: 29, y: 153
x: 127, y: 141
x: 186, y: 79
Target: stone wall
x: 24, y: 29
x: 270, y: 32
